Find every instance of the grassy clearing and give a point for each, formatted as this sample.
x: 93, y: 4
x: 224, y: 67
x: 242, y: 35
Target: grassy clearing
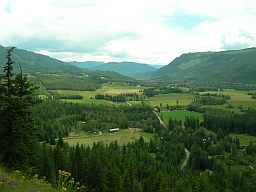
x: 179, y: 115
x: 244, y: 138
x: 171, y: 99
x: 122, y: 137
x: 15, y: 181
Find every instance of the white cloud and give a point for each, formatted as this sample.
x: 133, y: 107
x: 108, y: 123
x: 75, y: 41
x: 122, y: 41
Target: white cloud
x: 135, y: 30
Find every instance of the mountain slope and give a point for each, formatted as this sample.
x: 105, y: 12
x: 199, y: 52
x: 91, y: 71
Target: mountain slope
x: 225, y: 66
x: 33, y: 62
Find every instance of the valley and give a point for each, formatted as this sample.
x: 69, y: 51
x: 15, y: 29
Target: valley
x: 99, y: 124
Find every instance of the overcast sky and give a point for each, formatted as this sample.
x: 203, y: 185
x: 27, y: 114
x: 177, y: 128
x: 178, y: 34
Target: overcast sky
x: 148, y: 31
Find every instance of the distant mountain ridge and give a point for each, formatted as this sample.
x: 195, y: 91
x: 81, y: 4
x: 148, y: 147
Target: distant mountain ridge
x: 33, y: 62
x: 224, y: 66
x: 86, y: 64
x: 124, y: 68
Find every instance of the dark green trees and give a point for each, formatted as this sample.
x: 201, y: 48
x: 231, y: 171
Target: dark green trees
x: 16, y: 128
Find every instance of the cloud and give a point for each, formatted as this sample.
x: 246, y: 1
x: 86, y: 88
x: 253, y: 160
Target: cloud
x: 148, y: 31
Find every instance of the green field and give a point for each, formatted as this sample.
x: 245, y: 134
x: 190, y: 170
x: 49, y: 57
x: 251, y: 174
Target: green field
x: 238, y: 100
x: 110, y: 89
x: 179, y: 115
x: 122, y: 137
x: 94, y: 101
x: 244, y: 138
x: 171, y: 99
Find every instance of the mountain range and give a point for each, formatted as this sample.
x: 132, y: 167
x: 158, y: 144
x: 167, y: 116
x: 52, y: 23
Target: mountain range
x: 124, y: 68
x: 224, y: 66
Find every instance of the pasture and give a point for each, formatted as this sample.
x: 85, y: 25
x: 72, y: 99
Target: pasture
x: 179, y: 115
x: 93, y: 101
x: 122, y: 137
x: 238, y: 100
x: 114, y: 89
x: 110, y: 89
x: 171, y: 99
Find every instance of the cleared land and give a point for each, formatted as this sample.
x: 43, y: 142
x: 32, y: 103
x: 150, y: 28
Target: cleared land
x: 122, y: 137
x: 179, y: 115
x: 244, y: 138
x: 171, y: 99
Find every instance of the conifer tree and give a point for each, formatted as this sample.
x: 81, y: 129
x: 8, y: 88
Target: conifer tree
x: 17, y: 132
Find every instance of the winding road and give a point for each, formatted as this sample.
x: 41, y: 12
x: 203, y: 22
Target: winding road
x: 184, y: 164
x: 160, y: 120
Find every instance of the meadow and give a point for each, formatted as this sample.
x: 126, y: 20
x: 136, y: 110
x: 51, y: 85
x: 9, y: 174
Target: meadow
x: 179, y: 115
x: 171, y: 99
x: 122, y: 137
x: 110, y: 89
x: 93, y: 101
x: 238, y: 100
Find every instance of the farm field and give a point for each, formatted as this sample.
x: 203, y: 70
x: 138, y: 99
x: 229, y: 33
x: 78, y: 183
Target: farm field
x: 111, y: 89
x: 122, y: 137
x: 238, y: 100
x: 93, y: 101
x: 244, y: 138
x: 171, y: 99
x: 85, y: 94
x: 179, y: 115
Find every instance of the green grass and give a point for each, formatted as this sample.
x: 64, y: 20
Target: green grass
x: 171, y: 99
x: 111, y: 89
x: 94, y: 101
x: 238, y: 100
x: 179, y: 115
x: 14, y: 181
x: 85, y: 94
x: 244, y: 138
x: 122, y: 137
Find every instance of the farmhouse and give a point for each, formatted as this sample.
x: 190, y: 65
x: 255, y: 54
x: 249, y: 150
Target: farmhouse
x: 114, y: 130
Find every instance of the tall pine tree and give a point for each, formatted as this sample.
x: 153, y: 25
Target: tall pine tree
x: 17, y: 133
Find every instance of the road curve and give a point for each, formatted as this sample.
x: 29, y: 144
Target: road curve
x: 184, y: 164
x: 160, y: 120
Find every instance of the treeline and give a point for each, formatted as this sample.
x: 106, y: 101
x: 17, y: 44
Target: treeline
x: 57, y: 119
x: 70, y: 97
x: 253, y: 94
x: 120, y: 97
x: 65, y: 82
x: 231, y: 123
x: 211, y: 99
x: 163, y: 89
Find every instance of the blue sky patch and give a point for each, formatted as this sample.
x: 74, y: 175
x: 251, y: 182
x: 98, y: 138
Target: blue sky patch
x: 185, y: 20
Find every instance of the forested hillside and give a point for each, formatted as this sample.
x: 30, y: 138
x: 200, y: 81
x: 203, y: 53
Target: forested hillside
x: 225, y: 66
